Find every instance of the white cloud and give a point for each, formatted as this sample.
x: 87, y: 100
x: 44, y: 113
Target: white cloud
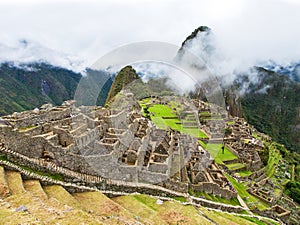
x: 246, y: 30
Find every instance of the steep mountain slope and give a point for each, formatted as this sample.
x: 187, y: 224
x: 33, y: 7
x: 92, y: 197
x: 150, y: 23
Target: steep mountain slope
x: 26, y: 88
x: 273, y: 107
x: 268, y: 100
x: 29, y: 86
x: 123, y: 78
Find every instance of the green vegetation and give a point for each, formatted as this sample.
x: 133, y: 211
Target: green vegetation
x: 275, y: 113
x: 180, y: 199
x: 216, y: 152
x: 245, y: 173
x: 3, y: 157
x: 163, y: 117
x: 233, y: 201
x: 293, y: 190
x: 256, y: 221
x: 227, y: 218
x: 235, y: 166
x: 26, y: 89
x: 168, y: 212
x: 274, y: 158
x: 205, y: 114
x: 195, y: 132
x: 162, y: 111
x: 53, y: 176
x: 123, y: 78
x: 250, y: 200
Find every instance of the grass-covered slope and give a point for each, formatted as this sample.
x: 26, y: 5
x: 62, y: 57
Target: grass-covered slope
x: 22, y: 89
x: 31, y: 203
x: 272, y: 106
x: 30, y: 86
x: 123, y: 78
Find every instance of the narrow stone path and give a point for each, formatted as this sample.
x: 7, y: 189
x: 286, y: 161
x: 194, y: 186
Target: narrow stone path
x: 243, y: 204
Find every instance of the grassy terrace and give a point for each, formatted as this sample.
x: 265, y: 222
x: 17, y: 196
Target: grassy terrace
x: 168, y: 212
x: 233, y: 201
x: 235, y: 166
x: 163, y: 117
x: 245, y: 173
x: 274, y: 158
x: 215, y: 151
x: 247, y: 197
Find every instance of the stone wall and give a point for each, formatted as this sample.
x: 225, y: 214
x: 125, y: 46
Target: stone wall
x: 43, y: 118
x: 149, y: 177
x: 118, y: 188
x: 213, y: 188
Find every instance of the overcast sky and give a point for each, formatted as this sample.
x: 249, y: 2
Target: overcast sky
x: 83, y: 31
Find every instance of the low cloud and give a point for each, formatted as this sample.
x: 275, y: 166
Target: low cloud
x: 23, y: 51
x: 247, y: 31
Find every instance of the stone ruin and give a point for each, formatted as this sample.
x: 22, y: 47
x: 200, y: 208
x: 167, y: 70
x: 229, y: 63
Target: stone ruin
x: 241, y: 142
x: 111, y: 144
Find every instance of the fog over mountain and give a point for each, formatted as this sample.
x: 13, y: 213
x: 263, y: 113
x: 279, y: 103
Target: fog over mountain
x: 246, y: 32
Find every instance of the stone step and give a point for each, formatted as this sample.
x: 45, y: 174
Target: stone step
x: 45, y: 135
x: 15, y: 182
x: 4, y: 189
x: 34, y: 186
x: 51, y: 136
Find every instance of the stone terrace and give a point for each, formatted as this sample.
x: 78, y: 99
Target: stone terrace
x: 101, y: 144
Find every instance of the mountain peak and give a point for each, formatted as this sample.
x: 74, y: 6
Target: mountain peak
x: 195, y: 32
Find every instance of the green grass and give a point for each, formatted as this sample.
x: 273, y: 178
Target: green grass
x: 157, y: 112
x: 145, y: 100
x: 161, y: 110
x: 53, y: 176
x: 175, y: 104
x: 170, y: 212
x: 245, y: 173
x: 178, y: 198
x: 247, y: 197
x: 215, y: 151
x: 274, y: 158
x: 195, y: 132
x: 233, y: 201
x: 144, y: 199
x: 235, y: 166
x: 202, y: 143
x: 254, y: 220
x: 3, y: 157
x: 205, y: 114
x: 277, y: 192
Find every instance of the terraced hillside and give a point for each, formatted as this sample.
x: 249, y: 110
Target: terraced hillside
x: 26, y: 201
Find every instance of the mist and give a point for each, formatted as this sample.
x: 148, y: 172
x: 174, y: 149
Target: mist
x: 74, y: 34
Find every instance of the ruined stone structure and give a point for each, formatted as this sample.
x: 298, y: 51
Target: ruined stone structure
x: 94, y: 145
x: 241, y: 142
